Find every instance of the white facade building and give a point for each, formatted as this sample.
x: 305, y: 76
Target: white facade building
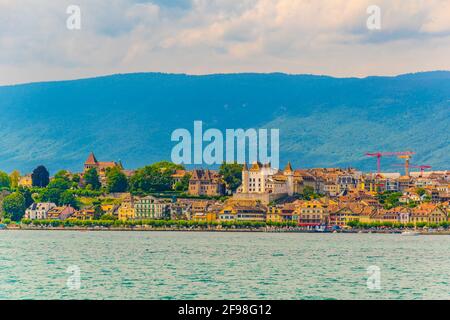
x: 38, y: 211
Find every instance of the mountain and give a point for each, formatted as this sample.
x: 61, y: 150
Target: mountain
x: 323, y: 121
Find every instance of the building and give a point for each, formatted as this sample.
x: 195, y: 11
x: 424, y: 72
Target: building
x: 38, y: 211
x: 61, y: 213
x: 206, y: 183
x: 84, y: 214
x: 25, y: 181
x: 126, y: 210
x: 243, y: 210
x: 101, y: 167
x: 312, y: 213
x: 428, y: 213
x: 265, y: 184
x: 151, y: 208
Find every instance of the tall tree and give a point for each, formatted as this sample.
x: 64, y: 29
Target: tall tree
x: 27, y: 196
x: 14, y: 206
x: 91, y: 178
x: 231, y: 174
x: 116, y: 180
x: 5, y: 181
x: 40, y: 177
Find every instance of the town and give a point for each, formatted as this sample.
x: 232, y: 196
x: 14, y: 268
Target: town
x: 237, y: 196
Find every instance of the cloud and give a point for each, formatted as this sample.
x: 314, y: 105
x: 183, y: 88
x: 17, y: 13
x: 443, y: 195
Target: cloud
x: 207, y: 36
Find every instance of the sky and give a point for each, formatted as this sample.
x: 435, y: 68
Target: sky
x: 221, y: 36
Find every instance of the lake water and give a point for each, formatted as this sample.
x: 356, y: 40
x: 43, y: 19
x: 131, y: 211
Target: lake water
x: 191, y: 265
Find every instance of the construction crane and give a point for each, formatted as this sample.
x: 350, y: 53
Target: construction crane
x: 379, y: 155
x: 422, y: 167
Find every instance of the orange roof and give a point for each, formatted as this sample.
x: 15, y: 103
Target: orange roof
x: 91, y: 159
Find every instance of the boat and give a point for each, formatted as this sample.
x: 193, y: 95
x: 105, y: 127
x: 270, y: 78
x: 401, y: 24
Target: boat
x: 2, y: 226
x: 410, y: 233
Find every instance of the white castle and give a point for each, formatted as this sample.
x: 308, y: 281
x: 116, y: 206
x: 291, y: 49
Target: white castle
x: 261, y: 182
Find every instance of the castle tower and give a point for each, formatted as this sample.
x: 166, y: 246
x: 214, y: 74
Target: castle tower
x: 245, y: 178
x: 91, y: 162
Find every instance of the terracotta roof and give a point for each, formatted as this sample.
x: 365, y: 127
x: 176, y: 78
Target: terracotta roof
x: 91, y: 159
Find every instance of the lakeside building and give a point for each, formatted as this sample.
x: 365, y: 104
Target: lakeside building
x: 312, y: 213
x: 60, y: 213
x: 428, y: 213
x: 206, y: 183
x: 243, y: 210
x: 151, y: 208
x: 126, y: 210
x: 84, y: 214
x: 38, y: 211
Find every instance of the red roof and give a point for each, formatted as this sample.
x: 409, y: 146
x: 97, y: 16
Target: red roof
x: 91, y: 159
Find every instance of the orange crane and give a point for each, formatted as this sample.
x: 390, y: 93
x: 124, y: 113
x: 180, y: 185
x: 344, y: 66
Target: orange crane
x: 422, y: 167
x: 379, y: 155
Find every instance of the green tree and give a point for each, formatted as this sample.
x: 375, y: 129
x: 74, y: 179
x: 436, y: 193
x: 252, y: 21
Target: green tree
x: 5, y: 181
x: 116, y: 180
x: 151, y: 179
x: 308, y: 193
x: 168, y: 166
x: 40, y: 177
x: 67, y: 198
x: 63, y: 174
x: 52, y: 195
x: 98, y: 212
x: 91, y: 178
x: 231, y: 174
x: 183, y: 184
x: 59, y: 183
x: 76, y: 178
x: 14, y: 206
x: 27, y: 196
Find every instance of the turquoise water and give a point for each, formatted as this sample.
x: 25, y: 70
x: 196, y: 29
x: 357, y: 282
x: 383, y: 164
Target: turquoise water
x: 189, y: 265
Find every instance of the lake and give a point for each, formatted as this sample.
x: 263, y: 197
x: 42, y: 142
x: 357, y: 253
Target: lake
x: 213, y: 265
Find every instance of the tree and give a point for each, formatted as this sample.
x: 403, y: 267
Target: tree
x: 232, y: 175
x: 116, y: 180
x: 5, y: 181
x: 14, y: 206
x: 27, y: 195
x: 151, y: 179
x: 91, y: 178
x: 183, y: 184
x: 308, y: 193
x: 63, y: 174
x: 14, y: 177
x: 67, y: 198
x: 98, y: 212
x: 40, y: 177
x: 52, y: 195
x: 167, y: 166
x: 59, y: 183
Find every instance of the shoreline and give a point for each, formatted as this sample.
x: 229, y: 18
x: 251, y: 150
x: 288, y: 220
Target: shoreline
x: 224, y: 230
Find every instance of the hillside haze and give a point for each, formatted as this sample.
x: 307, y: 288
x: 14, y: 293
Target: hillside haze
x: 323, y: 121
